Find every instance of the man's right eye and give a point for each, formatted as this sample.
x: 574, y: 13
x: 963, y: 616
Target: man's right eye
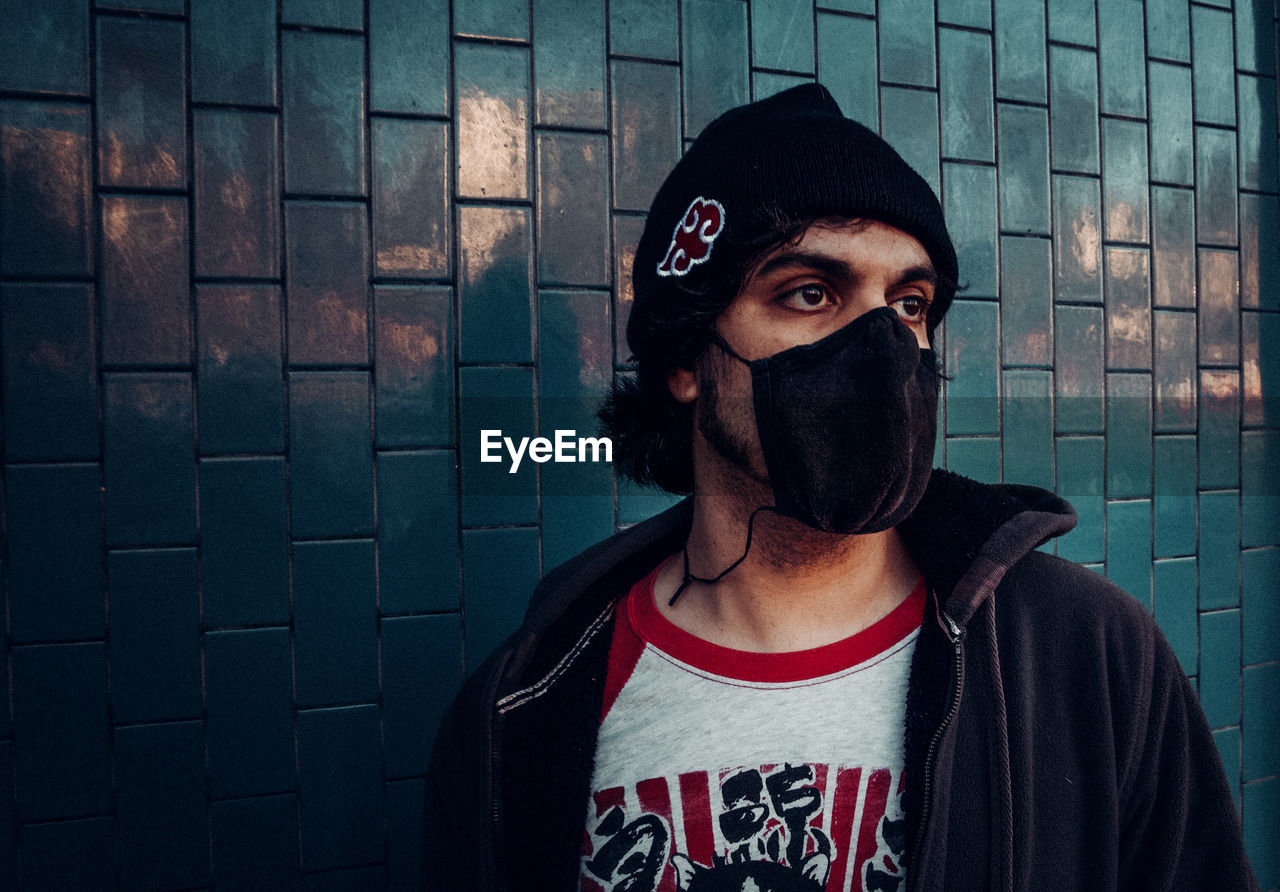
x: 806, y: 298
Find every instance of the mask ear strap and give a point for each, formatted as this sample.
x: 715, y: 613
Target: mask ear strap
x: 719, y: 341
x: 690, y: 578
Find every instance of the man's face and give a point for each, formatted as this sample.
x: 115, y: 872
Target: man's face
x: 796, y: 294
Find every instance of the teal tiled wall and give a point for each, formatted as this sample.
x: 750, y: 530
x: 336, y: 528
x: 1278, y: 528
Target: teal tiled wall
x: 268, y: 268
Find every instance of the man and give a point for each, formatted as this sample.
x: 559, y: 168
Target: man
x: 831, y: 668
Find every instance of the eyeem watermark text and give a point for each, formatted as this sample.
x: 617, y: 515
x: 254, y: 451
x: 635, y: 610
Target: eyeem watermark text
x: 566, y: 448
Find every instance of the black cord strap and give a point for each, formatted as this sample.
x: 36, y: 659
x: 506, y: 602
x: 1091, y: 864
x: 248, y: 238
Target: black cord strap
x: 690, y: 578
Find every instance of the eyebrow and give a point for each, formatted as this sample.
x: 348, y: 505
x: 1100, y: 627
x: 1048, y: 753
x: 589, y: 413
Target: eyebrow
x: 835, y: 267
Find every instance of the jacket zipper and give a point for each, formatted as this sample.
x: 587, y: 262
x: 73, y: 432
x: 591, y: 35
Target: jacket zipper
x: 954, y: 633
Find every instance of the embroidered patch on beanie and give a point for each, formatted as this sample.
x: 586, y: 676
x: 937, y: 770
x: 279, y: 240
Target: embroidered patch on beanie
x: 693, y: 236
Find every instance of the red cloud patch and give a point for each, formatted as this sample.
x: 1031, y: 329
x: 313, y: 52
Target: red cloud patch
x: 691, y: 241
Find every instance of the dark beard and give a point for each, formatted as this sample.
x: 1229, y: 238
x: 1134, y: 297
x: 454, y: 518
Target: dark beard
x: 725, y: 429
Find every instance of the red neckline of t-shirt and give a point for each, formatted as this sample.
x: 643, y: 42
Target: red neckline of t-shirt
x: 791, y: 666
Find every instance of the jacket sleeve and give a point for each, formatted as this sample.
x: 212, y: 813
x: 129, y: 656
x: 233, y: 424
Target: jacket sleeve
x: 1180, y: 830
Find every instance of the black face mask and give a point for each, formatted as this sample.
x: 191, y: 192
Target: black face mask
x: 847, y: 424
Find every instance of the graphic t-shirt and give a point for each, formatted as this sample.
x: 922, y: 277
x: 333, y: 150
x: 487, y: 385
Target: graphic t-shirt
x: 725, y: 769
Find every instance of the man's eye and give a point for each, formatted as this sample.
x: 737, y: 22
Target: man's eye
x: 912, y: 308
x: 806, y: 297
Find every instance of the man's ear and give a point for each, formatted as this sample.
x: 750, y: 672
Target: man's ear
x: 683, y: 384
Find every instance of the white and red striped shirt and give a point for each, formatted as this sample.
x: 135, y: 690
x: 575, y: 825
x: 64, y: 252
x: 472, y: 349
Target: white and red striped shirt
x: 725, y: 769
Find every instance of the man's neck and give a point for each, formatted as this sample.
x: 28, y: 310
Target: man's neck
x: 797, y: 588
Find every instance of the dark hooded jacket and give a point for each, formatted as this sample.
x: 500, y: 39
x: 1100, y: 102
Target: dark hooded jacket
x: 1052, y: 738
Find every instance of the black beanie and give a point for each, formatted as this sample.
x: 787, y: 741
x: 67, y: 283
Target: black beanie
x: 790, y: 157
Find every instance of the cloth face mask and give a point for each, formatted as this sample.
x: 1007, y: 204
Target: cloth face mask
x: 847, y: 424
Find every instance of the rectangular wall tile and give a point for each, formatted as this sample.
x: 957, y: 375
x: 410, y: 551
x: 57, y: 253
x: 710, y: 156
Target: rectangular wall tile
x: 1021, y: 66
x: 976, y: 457
x: 569, y: 62
x: 162, y: 806
x: 1121, y: 50
x: 1175, y: 608
x: 496, y: 399
x: 626, y: 236
x: 50, y: 53
x: 404, y: 833
x: 1028, y: 427
x: 1213, y: 81
x: 324, y: 142
x: 233, y: 52
x: 973, y: 361
x: 1255, y: 39
x: 646, y: 130
x: 237, y: 210
x: 328, y: 284
x: 61, y: 754
x: 146, y: 304
x: 240, y: 400
x: 1077, y: 239
x: 968, y: 114
x: 1026, y: 306
x: 492, y: 122
x: 1173, y: 247
x: 1078, y: 372
x: 414, y: 648
x: 969, y: 203
x: 907, y: 53
x: 1073, y: 109
x: 1219, y: 315
x: 249, y: 674
x: 1128, y: 434
x: 413, y: 388
x: 417, y: 531
x: 255, y: 841
x: 1124, y: 181
x: 411, y: 228
x: 847, y: 65
x: 1219, y: 427
x: 1073, y: 21
x: 1262, y: 814
x: 44, y: 185
x: 1175, y: 500
x: 907, y: 118
x: 970, y: 13
x: 1023, y: 144
x: 714, y: 50
x: 55, y: 553
x: 409, y: 56
x: 1172, y: 159
x: 1220, y: 667
x: 1259, y: 487
x: 1079, y: 468
x: 1259, y: 570
x: 1168, y: 30
x: 1216, y: 181
x: 1128, y: 308
x: 154, y: 602
x: 322, y: 14
x: 335, y: 622
x: 782, y: 35
x: 341, y: 787
x: 495, y: 250
x: 645, y: 28
x: 1176, y: 381
x: 573, y: 215
x: 1219, y: 550
x: 500, y: 568
x: 331, y: 451
x: 244, y: 544
x: 68, y: 855
x: 1261, y: 721
x: 1129, y: 547
x: 1260, y: 358
x: 492, y: 18
x: 149, y: 455
x: 1259, y: 264
x: 1227, y: 742
x: 50, y: 372
x: 141, y: 64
